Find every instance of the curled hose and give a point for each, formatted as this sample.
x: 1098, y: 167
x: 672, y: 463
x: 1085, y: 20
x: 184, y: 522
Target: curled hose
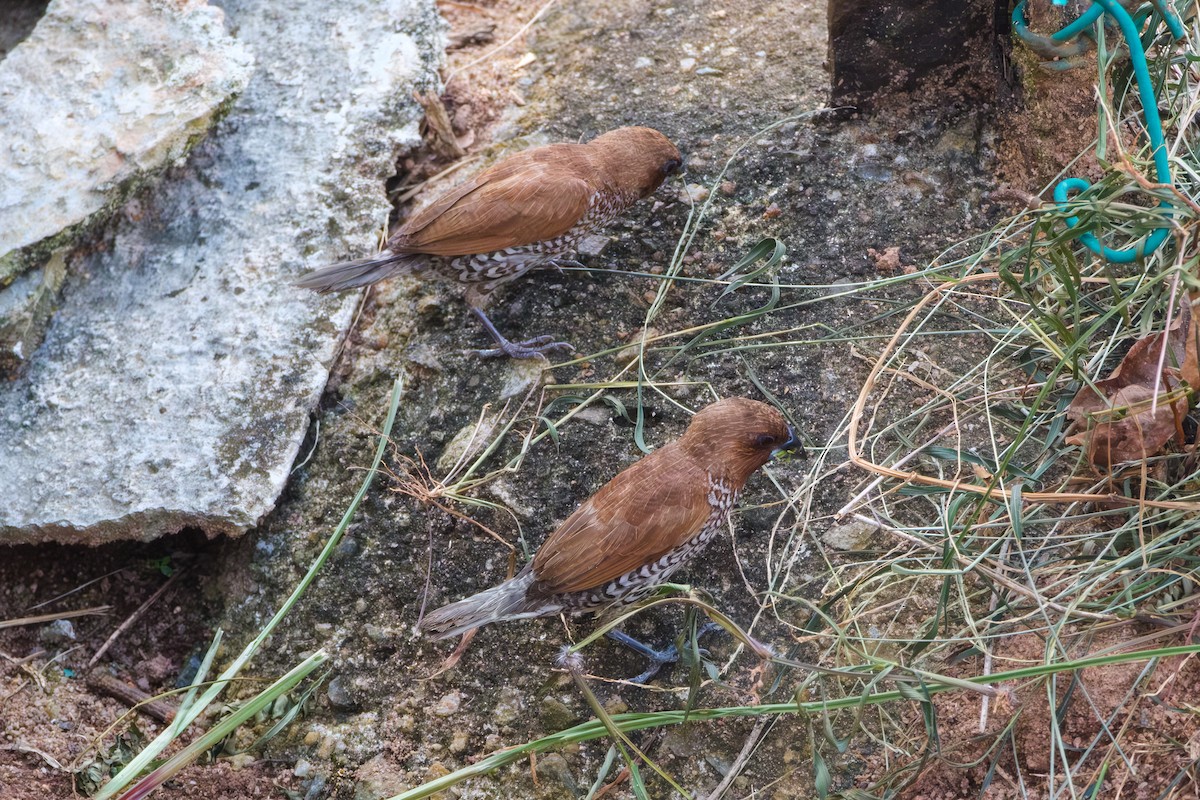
x: 1065, y: 44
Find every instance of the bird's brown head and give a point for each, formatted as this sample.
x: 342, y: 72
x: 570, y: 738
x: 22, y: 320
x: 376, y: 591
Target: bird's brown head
x: 636, y: 159
x: 734, y: 437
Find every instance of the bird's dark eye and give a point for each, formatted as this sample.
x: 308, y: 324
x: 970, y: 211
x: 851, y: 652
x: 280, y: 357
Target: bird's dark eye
x: 765, y: 440
x: 672, y: 167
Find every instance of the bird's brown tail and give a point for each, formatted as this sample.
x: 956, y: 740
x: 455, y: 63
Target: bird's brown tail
x: 507, y: 601
x: 360, y: 272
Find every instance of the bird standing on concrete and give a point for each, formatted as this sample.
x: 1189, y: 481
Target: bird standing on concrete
x: 640, y: 528
x: 527, y: 212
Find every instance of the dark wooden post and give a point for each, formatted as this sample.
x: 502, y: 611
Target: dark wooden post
x: 877, y: 47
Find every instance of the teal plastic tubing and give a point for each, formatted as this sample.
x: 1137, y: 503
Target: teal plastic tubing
x: 1162, y: 167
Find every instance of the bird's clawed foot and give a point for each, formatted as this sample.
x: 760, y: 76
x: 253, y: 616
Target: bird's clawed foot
x: 559, y: 263
x: 658, y: 658
x: 530, y: 348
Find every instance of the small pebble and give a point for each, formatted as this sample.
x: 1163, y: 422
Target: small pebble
x: 848, y: 536
x: 697, y: 193
x: 338, y: 694
x: 241, y: 760
x: 686, y: 64
x: 57, y: 633
x: 616, y: 705
x: 508, y: 707
x: 553, y: 768
x: 556, y: 715
x: 448, y: 705
x: 379, y: 634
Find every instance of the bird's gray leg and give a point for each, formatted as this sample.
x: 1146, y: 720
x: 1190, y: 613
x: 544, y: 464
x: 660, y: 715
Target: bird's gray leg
x: 658, y: 658
x: 529, y: 348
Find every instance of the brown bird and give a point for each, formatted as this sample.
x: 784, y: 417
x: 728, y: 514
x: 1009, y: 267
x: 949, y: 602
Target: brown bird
x: 640, y: 528
x: 527, y: 212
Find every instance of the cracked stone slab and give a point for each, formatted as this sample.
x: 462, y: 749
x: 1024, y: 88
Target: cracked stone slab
x: 99, y: 95
x: 174, y: 385
x: 98, y: 99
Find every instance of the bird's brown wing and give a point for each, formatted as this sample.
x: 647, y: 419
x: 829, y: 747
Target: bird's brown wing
x: 528, y: 198
x: 639, y: 516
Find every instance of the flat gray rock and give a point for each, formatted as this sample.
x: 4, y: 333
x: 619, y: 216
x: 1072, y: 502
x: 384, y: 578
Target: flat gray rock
x: 99, y: 94
x: 98, y: 100
x: 175, y: 382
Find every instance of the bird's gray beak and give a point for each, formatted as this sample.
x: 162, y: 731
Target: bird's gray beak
x: 792, y: 443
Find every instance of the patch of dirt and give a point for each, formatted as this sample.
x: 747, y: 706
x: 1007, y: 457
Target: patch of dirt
x: 1134, y: 726
x: 48, y: 704
x: 1056, y: 123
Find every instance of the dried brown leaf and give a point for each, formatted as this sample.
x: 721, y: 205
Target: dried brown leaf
x: 1138, y: 409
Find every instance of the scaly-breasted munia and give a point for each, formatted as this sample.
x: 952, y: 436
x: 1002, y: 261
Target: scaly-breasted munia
x: 641, y: 527
x: 527, y: 212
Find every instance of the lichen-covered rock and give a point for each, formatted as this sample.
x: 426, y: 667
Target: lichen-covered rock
x: 99, y: 94
x: 849, y: 536
x: 175, y: 382
x: 98, y: 98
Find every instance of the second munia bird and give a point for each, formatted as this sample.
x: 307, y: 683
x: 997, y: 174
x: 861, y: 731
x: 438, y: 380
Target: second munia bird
x: 529, y: 211
x: 640, y: 528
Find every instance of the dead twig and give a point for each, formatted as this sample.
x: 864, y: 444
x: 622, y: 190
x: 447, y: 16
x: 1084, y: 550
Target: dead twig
x: 81, y: 612
x: 739, y: 763
x: 409, y: 191
x: 20, y: 687
x: 24, y: 748
x: 484, y: 35
x: 414, y: 478
x: 452, y: 660
x: 132, y: 696
x: 78, y: 588
x: 622, y: 776
x: 134, y: 617
x: 1011, y: 194
x: 437, y: 124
